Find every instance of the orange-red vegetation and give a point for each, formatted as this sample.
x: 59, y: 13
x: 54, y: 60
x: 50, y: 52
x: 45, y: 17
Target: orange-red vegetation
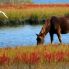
x: 25, y: 6
x: 34, y: 55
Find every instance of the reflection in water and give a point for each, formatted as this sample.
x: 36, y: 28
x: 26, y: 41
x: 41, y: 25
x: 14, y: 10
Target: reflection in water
x: 24, y: 35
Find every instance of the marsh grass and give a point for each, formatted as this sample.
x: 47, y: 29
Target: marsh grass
x: 35, y: 57
x: 33, y: 15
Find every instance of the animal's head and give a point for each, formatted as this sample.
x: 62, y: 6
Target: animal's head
x: 45, y: 29
x: 40, y: 39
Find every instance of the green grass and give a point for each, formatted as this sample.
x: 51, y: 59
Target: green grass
x: 25, y: 15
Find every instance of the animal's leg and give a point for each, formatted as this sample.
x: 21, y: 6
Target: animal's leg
x: 51, y: 37
x: 59, y: 37
x: 59, y: 34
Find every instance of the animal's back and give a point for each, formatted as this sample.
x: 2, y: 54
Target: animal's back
x: 63, y: 22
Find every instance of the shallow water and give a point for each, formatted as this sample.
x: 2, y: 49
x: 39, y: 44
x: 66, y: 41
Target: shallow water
x: 25, y: 35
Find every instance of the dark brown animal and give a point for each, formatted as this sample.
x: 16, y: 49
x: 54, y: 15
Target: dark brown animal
x: 54, y: 25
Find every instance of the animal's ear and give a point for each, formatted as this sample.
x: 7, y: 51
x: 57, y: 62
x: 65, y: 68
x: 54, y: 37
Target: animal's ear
x: 36, y: 34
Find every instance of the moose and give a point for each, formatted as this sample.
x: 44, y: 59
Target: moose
x: 54, y: 25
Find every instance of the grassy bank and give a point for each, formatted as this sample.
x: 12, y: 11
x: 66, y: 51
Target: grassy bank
x: 32, y: 14
x: 35, y: 57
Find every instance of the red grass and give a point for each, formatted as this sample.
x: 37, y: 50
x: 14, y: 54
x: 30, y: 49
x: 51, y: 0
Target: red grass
x: 28, y: 58
x: 48, y: 56
x: 4, y: 59
x: 25, y: 6
x: 45, y: 53
x: 59, y: 56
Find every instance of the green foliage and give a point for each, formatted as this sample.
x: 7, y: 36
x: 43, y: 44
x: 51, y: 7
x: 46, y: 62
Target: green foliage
x: 29, y: 15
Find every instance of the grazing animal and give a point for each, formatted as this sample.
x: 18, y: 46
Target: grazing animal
x: 4, y: 14
x: 54, y: 25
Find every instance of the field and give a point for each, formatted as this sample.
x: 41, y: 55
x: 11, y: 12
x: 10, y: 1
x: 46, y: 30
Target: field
x: 35, y: 57
x: 32, y: 13
x: 51, y: 56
